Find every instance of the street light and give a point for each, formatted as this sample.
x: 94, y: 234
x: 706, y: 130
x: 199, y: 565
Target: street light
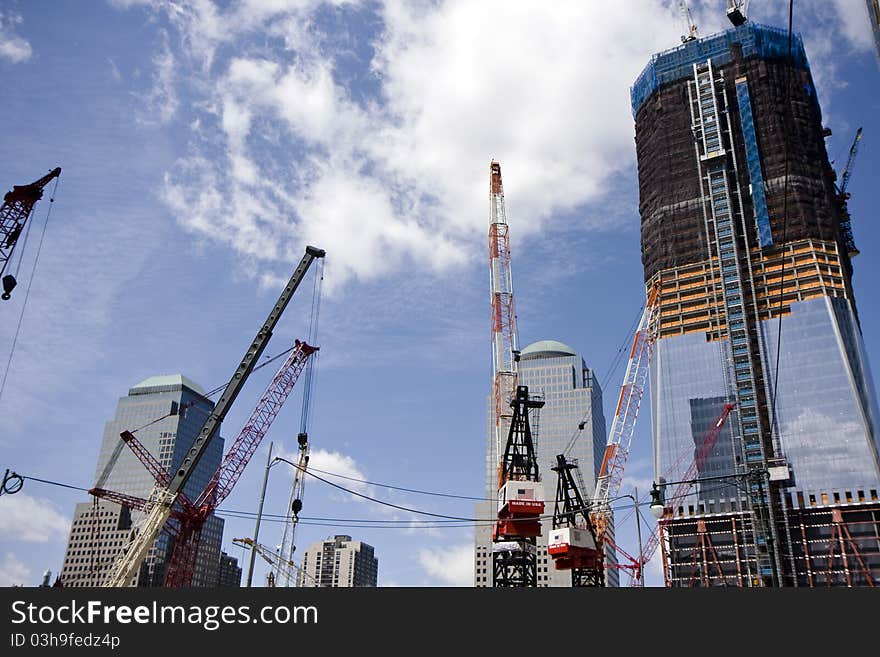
x: 635, y: 499
x: 269, y: 464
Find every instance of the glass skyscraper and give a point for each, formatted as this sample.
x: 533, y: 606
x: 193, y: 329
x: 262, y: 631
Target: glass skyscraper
x: 167, y: 412
x: 752, y: 246
x: 572, y: 395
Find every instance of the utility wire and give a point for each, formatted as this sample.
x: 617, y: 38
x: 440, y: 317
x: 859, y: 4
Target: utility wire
x: 408, y: 490
x: 612, y: 368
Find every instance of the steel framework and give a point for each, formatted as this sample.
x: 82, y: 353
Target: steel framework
x: 17, y: 207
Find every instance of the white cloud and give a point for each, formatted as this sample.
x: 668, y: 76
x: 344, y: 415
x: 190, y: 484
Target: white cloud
x: 450, y: 565
x: 386, y: 167
x: 12, y: 47
x: 24, y: 518
x: 13, y: 572
x: 161, y: 103
x: 396, y: 173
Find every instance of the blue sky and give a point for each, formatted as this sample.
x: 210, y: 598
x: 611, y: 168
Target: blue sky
x: 204, y: 145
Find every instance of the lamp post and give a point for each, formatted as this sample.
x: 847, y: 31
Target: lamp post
x: 269, y: 464
x: 635, y: 499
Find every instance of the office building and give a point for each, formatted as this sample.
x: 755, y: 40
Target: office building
x: 167, y: 412
x: 229, y: 572
x: 754, y: 268
x: 338, y: 562
x: 874, y: 16
x: 558, y: 374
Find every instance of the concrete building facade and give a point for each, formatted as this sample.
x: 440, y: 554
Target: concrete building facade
x: 572, y: 395
x: 751, y: 245
x: 102, y: 530
x: 338, y: 562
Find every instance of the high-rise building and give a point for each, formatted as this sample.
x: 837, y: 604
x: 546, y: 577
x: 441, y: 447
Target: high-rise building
x: 167, y: 412
x: 743, y: 228
x: 874, y: 15
x: 558, y: 374
x: 338, y: 562
x: 229, y: 572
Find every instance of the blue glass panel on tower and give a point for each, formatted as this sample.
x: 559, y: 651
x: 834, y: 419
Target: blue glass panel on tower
x: 753, y: 159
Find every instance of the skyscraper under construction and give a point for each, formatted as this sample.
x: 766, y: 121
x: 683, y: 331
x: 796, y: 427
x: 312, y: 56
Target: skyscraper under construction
x: 742, y: 224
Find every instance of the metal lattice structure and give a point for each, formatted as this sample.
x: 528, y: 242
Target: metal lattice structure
x: 17, y: 207
x: 189, y: 517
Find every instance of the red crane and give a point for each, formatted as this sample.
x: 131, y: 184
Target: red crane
x: 710, y: 439
x: 190, y: 516
x: 14, y: 213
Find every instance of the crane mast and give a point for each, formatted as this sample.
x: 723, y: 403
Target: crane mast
x: 503, y: 317
x: 520, y: 494
x: 220, y: 485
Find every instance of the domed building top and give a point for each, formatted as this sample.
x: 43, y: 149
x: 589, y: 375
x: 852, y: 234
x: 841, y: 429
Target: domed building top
x: 170, y: 380
x: 546, y: 349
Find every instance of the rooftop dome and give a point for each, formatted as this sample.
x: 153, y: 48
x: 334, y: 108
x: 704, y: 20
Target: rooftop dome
x: 546, y: 349
x: 170, y: 380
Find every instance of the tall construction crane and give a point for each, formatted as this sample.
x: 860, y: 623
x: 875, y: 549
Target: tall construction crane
x: 161, y: 504
x: 18, y: 205
x: 520, y: 494
x: 297, y: 489
x: 843, y: 197
x: 610, y: 477
x: 572, y: 543
x: 707, y: 444
x: 190, y: 516
x: 689, y: 25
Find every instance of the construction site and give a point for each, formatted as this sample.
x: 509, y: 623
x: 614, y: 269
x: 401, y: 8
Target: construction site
x: 747, y: 354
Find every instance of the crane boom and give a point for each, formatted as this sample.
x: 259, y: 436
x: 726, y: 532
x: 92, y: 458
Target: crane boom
x: 848, y: 169
x: 127, y: 566
x: 17, y: 206
x: 620, y: 437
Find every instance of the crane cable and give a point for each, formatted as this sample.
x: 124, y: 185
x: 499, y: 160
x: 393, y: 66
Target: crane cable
x: 612, y: 368
x: 30, y: 280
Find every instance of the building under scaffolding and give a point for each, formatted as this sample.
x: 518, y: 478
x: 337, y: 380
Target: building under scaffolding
x: 742, y: 225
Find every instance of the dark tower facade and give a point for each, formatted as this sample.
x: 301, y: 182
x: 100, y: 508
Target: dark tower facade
x: 742, y: 225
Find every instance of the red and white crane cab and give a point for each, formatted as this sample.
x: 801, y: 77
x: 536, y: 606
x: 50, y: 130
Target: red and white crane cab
x: 521, y: 498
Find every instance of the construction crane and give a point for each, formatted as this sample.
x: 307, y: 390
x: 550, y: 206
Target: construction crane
x: 689, y: 25
x: 169, y: 486
x: 707, y: 444
x: 843, y: 197
x: 737, y: 11
x: 286, y: 567
x: 572, y: 543
x: 18, y: 205
x: 191, y: 515
x: 297, y: 489
x: 610, y: 477
x: 520, y: 494
x: 520, y: 501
